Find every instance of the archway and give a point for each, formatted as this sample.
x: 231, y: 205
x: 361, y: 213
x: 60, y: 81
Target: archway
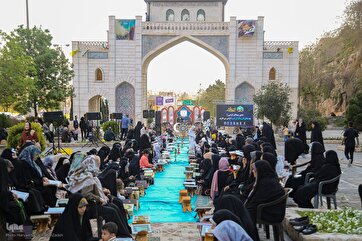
x: 99, y: 103
x: 166, y: 46
x: 125, y: 99
x: 244, y: 93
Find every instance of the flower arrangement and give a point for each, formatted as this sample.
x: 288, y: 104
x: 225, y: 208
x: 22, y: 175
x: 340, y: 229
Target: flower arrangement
x: 345, y: 221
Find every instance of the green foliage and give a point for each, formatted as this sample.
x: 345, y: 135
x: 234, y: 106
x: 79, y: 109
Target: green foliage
x: 272, y: 102
x: 4, y: 121
x: 354, y: 111
x: 208, y: 98
x: 15, y: 66
x: 14, y: 135
x: 52, y: 73
x: 113, y: 124
x: 310, y: 115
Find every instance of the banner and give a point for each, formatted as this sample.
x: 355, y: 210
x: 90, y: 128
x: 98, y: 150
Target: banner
x: 125, y: 29
x: 235, y: 115
x: 246, y: 28
x: 159, y: 100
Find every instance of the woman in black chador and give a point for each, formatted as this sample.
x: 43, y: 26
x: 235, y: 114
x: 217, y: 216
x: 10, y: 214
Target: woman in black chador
x: 266, y: 189
x: 74, y: 223
x: 316, y: 134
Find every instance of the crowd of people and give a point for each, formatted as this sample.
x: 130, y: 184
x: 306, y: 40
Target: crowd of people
x: 94, y: 182
x: 239, y: 174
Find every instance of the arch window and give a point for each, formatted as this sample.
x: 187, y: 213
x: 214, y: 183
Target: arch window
x: 99, y: 74
x: 185, y: 15
x: 170, y: 15
x: 201, y: 15
x: 272, y: 74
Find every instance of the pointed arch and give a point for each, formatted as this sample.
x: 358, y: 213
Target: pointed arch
x: 200, y: 16
x: 185, y: 15
x: 244, y: 93
x: 170, y: 15
x: 272, y: 74
x: 99, y: 74
x: 125, y: 99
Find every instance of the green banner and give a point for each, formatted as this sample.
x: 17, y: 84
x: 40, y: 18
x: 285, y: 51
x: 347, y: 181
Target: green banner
x: 188, y: 102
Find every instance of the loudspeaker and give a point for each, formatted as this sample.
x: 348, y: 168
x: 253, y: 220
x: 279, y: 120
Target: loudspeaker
x: 158, y: 118
x: 206, y: 115
x: 145, y: 114
x: 151, y: 114
x: 93, y: 116
x: 116, y: 116
x: 53, y: 116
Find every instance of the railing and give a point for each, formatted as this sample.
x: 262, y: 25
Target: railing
x: 182, y: 27
x: 279, y: 45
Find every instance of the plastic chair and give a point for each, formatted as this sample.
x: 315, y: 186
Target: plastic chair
x: 277, y: 227
x: 320, y: 195
x: 294, y: 167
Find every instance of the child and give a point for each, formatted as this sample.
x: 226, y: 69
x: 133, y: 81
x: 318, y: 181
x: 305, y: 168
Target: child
x: 109, y: 231
x: 286, y: 133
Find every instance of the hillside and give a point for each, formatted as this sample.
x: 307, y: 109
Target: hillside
x: 331, y: 69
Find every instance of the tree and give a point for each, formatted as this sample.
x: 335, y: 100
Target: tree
x: 272, y: 102
x: 354, y: 111
x: 52, y: 73
x: 14, y: 69
x: 214, y: 93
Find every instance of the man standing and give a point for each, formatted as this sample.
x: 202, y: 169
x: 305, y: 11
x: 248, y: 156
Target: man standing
x: 350, y: 139
x: 124, y: 126
x: 76, y: 128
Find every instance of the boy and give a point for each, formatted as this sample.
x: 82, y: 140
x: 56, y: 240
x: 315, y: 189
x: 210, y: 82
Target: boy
x: 109, y: 231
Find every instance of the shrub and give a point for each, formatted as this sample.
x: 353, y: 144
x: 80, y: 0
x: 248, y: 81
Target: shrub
x: 354, y: 111
x: 310, y: 115
x: 4, y: 121
x: 113, y: 124
x: 14, y: 135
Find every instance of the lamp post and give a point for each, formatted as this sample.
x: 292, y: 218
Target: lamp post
x: 27, y: 14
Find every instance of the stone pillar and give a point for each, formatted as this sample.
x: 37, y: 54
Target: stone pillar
x: 112, y: 55
x: 141, y: 78
x: 231, y: 78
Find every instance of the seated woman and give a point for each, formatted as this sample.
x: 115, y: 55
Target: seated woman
x: 9, y: 204
x: 206, y: 176
x: 28, y: 136
x: 74, y: 222
x: 230, y: 204
x: 266, y: 189
x: 144, y: 162
x: 83, y: 178
x: 329, y: 170
x: 35, y: 203
x: 34, y: 174
x: 221, y: 178
x: 230, y: 231
x: 316, y: 162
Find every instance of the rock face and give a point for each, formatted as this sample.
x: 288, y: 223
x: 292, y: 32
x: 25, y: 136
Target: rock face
x: 331, y: 68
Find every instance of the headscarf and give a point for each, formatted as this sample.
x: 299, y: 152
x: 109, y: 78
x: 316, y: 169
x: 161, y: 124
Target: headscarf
x: 8, y: 154
x: 223, y: 166
x: 48, y: 162
x: 269, y: 157
x: 268, y: 132
x: 225, y: 214
x: 115, y: 153
x: 316, y: 134
x: 28, y: 154
x: 230, y: 231
x: 85, y: 176
x: 69, y: 226
x: 317, y: 157
x: 332, y: 158
x: 231, y: 204
x: 269, y: 149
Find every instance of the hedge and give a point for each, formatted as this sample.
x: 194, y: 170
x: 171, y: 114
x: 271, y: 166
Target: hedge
x: 113, y: 124
x: 14, y: 135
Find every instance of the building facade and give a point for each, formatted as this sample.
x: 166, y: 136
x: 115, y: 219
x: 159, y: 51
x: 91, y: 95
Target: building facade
x: 116, y: 69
